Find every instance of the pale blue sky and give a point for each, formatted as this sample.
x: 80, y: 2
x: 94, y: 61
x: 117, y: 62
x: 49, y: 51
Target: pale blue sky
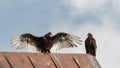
x: 100, y: 17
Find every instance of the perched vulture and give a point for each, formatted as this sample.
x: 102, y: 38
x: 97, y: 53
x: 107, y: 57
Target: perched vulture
x: 90, y: 45
x: 45, y: 44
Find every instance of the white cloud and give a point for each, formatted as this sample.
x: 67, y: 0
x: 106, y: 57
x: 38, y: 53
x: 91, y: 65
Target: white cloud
x: 116, y: 5
x: 87, y: 5
x: 106, y: 34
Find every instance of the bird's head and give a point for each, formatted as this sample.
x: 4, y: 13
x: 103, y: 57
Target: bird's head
x: 49, y: 33
x: 89, y: 35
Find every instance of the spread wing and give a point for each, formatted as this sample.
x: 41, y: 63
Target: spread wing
x: 64, y: 40
x: 26, y: 41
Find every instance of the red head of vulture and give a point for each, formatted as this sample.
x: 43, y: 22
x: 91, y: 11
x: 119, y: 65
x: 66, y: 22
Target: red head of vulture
x: 47, y: 43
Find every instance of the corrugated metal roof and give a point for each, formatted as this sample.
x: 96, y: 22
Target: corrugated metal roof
x: 52, y: 60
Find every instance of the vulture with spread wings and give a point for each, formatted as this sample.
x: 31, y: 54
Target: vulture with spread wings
x: 47, y: 43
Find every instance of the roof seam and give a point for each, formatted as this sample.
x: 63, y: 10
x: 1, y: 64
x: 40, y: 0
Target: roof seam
x: 31, y: 61
x: 8, y: 61
x: 76, y: 62
x: 53, y: 62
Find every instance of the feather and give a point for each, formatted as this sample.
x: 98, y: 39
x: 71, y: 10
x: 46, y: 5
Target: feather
x: 17, y: 43
x: 66, y: 41
x: 35, y: 44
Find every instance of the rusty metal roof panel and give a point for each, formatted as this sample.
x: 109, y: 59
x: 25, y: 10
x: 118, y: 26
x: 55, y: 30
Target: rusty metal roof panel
x: 64, y: 61
x: 53, y: 60
x: 18, y: 60
x: 40, y: 60
x: 3, y: 62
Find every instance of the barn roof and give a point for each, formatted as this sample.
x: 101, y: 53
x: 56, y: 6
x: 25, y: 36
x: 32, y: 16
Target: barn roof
x: 53, y: 60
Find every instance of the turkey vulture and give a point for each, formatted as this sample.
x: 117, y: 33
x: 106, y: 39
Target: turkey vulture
x: 45, y: 44
x: 90, y: 45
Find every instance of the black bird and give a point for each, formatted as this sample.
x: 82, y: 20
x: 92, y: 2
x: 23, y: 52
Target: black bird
x: 90, y: 45
x: 47, y: 43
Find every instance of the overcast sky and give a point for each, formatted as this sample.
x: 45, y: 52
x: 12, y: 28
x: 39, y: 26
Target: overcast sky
x: 100, y: 17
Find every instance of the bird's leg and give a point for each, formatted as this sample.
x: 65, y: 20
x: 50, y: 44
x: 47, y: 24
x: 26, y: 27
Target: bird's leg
x: 48, y: 51
x: 43, y: 51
